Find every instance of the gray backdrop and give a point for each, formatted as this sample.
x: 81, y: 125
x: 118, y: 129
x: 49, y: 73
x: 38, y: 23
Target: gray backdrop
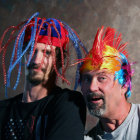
x: 85, y: 16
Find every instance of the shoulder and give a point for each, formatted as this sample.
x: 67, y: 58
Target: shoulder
x: 95, y: 131
x: 88, y: 138
x: 5, y: 106
x: 7, y: 102
x: 135, y: 108
x: 64, y: 111
x: 66, y: 101
x: 67, y: 95
x: 72, y: 94
x: 136, y: 105
x: 92, y: 132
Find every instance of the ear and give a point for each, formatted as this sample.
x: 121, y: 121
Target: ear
x: 124, y: 90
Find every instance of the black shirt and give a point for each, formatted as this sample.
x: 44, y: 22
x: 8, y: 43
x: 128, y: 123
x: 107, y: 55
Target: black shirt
x: 58, y: 116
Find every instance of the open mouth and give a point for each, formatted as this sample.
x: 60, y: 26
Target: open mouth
x: 97, y: 99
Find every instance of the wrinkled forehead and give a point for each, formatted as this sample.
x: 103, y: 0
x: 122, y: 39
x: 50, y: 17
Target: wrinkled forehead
x: 97, y: 72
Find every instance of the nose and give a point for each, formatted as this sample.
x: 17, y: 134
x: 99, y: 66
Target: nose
x: 94, y: 85
x: 37, y: 58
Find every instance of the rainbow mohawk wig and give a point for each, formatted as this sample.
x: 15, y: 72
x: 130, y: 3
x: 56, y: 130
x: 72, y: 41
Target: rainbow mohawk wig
x: 108, y: 53
x: 50, y: 31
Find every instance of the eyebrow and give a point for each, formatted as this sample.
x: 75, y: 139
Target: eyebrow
x: 46, y: 50
x: 100, y: 73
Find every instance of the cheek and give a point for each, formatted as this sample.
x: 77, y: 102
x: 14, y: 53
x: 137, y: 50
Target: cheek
x: 45, y: 61
x: 108, y: 91
x: 46, y: 64
x: 108, y: 86
x: 49, y: 66
x: 105, y: 88
x: 113, y: 95
x: 48, y: 61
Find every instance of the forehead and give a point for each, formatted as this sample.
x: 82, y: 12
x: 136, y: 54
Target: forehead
x: 42, y: 46
x: 98, y: 72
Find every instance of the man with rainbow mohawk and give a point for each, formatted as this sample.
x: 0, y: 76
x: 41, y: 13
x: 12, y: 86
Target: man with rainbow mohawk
x: 106, y: 85
x: 43, y: 111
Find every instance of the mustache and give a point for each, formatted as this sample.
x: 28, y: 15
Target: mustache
x: 92, y: 95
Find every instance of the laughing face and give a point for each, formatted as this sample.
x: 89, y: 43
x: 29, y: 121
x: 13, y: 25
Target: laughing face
x: 102, y: 93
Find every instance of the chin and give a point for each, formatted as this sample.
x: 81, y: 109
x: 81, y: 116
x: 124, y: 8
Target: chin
x: 35, y: 82
x: 98, y: 113
x: 35, y: 79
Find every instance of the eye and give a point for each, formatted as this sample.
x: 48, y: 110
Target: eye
x: 48, y: 53
x: 102, y: 78
x: 86, y: 78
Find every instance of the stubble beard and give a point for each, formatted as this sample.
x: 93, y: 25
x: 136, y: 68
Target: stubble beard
x: 34, y: 78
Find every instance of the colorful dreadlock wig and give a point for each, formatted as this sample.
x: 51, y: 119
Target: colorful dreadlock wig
x: 50, y: 31
x: 108, y: 53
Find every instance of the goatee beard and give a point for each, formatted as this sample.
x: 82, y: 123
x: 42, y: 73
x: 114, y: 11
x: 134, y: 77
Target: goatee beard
x: 97, y: 112
x: 95, y: 109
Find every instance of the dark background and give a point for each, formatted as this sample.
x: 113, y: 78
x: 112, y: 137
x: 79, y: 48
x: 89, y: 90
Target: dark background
x: 85, y: 16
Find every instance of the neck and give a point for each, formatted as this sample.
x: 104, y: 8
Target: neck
x: 35, y: 92
x: 112, y: 122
